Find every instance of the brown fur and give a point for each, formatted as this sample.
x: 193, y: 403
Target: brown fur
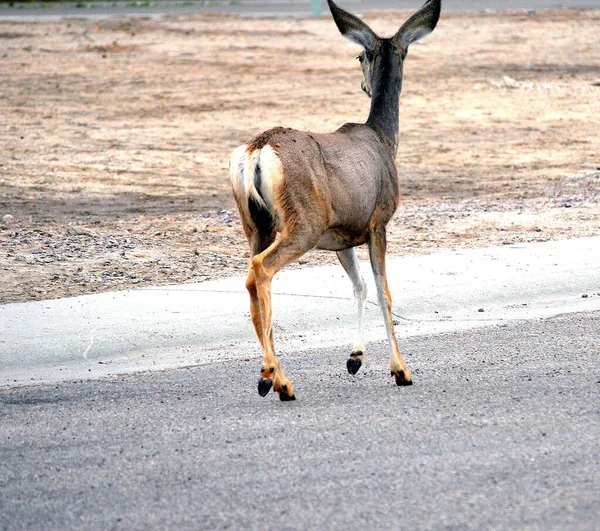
x: 331, y: 191
x: 261, y: 140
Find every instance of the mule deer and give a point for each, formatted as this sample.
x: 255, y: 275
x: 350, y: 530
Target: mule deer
x: 296, y: 191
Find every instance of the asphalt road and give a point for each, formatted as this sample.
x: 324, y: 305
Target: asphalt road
x: 500, y: 431
x: 270, y: 7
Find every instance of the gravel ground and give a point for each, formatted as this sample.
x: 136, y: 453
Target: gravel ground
x: 116, y: 135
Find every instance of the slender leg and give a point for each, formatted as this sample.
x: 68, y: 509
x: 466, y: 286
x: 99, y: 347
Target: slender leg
x: 264, y: 266
x: 254, y: 306
x: 258, y: 243
x: 377, y: 248
x: 349, y: 262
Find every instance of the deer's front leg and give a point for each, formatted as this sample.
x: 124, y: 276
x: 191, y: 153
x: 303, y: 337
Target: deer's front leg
x: 349, y: 262
x: 377, y: 249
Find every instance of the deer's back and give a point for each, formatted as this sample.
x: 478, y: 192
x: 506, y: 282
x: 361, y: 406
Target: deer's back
x: 346, y: 179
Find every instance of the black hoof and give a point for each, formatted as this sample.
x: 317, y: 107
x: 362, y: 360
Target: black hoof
x: 353, y: 364
x: 286, y: 398
x: 283, y: 396
x: 264, y: 386
x: 401, y: 379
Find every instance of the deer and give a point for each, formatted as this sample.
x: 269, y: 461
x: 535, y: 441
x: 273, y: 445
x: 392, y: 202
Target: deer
x: 296, y: 191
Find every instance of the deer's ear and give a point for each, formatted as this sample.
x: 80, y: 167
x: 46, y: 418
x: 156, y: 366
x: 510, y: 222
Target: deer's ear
x: 352, y: 27
x: 419, y: 25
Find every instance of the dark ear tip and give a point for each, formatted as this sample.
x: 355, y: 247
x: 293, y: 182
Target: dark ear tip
x: 333, y: 7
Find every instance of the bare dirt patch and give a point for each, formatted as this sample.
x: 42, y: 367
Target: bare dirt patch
x: 116, y: 134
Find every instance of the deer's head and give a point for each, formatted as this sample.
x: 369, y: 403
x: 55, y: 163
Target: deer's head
x: 374, y: 47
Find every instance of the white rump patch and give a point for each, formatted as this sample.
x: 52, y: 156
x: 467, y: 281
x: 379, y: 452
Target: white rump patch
x: 270, y: 174
x: 242, y: 173
x: 237, y: 164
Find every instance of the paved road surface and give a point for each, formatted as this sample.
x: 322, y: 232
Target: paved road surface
x: 280, y: 7
x: 501, y: 430
x: 191, y: 324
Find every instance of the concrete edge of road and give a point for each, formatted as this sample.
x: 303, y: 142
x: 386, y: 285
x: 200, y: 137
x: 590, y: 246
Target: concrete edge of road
x: 93, y: 336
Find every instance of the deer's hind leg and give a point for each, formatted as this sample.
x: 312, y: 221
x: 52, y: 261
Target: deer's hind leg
x: 258, y: 243
x: 264, y: 266
x: 377, y: 249
x: 349, y: 262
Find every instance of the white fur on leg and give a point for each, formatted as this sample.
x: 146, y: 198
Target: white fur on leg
x: 350, y: 264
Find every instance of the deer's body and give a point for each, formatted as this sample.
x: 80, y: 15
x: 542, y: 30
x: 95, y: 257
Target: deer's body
x: 297, y: 191
x: 310, y: 179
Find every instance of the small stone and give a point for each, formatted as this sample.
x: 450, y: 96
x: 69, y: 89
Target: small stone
x: 8, y: 219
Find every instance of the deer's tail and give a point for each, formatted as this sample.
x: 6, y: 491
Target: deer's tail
x: 254, y: 176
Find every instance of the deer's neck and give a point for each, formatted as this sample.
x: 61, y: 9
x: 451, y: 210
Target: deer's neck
x: 385, y: 93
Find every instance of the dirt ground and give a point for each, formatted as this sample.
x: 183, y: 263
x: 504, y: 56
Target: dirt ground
x: 115, y: 136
